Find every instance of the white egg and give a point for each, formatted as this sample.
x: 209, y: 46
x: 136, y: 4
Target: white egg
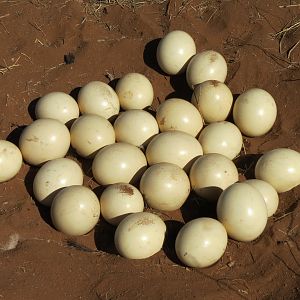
x: 119, y: 162
x: 254, y: 112
x: 119, y: 200
x: 140, y: 235
x: 135, y: 91
x: 211, y: 174
x: 43, y: 140
x: 53, y: 176
x: 206, y: 65
x: 179, y: 114
x: 223, y: 138
x: 98, y: 98
x: 75, y: 210
x: 201, y: 242
x: 242, y: 210
x: 174, y: 52
x: 279, y: 167
x: 213, y: 99
x: 268, y: 192
x: 174, y: 147
x: 165, y: 186
x: 10, y: 160
x: 57, y: 105
x: 136, y: 127
x: 89, y: 133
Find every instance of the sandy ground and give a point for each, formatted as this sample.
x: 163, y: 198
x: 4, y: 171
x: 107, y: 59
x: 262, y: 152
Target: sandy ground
x: 108, y: 42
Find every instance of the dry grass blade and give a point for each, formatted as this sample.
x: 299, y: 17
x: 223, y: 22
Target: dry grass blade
x: 287, y: 29
x: 6, y: 68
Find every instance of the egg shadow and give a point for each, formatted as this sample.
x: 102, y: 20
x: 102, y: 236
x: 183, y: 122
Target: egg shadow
x: 104, y: 237
x: 44, y: 211
x: 86, y: 163
x: 230, y: 115
x: 74, y: 93
x: 113, y: 83
x: 14, y: 135
x: 197, y: 207
x: 31, y: 108
x: 149, y: 56
x: 173, y: 227
x: 181, y: 88
x: 246, y: 164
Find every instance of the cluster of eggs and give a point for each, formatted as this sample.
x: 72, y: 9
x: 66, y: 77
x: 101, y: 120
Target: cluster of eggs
x: 157, y: 158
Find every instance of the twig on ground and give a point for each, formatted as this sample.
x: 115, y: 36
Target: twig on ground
x: 4, y: 16
x: 289, y: 5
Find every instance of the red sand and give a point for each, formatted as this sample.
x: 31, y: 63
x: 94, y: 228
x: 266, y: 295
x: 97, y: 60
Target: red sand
x: 35, y: 35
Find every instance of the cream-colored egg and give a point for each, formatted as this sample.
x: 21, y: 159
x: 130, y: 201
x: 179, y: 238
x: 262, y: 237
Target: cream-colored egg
x: 213, y: 99
x: 174, y: 147
x: 140, y: 235
x: 206, y: 65
x: 57, y: 105
x: 254, y: 112
x: 119, y: 162
x: 53, y: 176
x: 279, y: 167
x: 165, y: 186
x: 174, y: 52
x: 268, y: 192
x: 223, y: 138
x: 211, y: 174
x: 242, y: 210
x: 89, y: 133
x: 75, y: 210
x: 10, y: 160
x: 98, y: 98
x: 201, y: 242
x: 119, y: 200
x: 135, y: 91
x: 43, y: 140
x: 136, y: 127
x: 179, y: 114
